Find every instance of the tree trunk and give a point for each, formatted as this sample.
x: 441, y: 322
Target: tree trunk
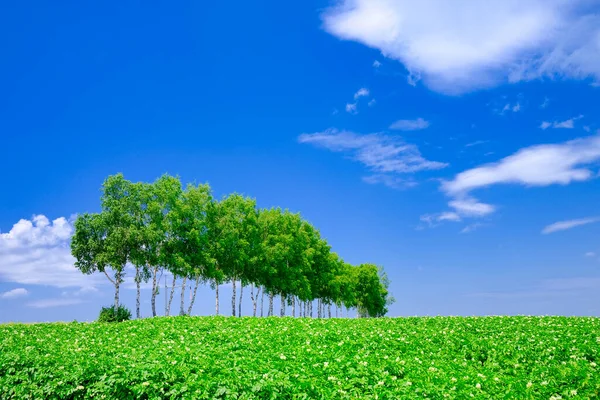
x: 293, y: 306
x: 310, y: 308
x: 241, y: 297
x: 168, y: 310
x: 318, y: 308
x: 262, y: 300
x: 282, y: 311
x: 233, y: 298
x: 254, y: 299
x: 182, y: 303
x: 154, y: 291
x: 193, y: 299
x: 329, y: 310
x: 137, y: 294
x: 116, y: 297
x: 217, y: 296
x: 270, y: 314
x: 118, y: 281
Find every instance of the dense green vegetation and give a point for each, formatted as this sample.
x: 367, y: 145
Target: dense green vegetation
x: 161, y: 228
x: 303, y: 358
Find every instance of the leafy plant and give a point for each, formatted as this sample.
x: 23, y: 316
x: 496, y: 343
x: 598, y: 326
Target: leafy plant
x: 108, y: 314
x: 304, y: 358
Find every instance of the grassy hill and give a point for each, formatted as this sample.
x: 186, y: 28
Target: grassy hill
x: 299, y: 358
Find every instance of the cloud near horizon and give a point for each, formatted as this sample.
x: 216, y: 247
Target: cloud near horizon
x: 461, y: 46
x: 14, y: 293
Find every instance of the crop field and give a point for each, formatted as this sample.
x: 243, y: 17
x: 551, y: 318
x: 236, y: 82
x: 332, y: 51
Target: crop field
x: 303, y: 358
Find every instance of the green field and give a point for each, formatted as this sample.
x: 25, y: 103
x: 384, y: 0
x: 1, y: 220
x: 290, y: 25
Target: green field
x: 302, y: 358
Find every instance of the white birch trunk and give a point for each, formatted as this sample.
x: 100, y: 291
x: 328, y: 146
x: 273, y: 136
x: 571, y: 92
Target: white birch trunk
x: 193, y: 299
x: 294, y: 306
x: 182, y: 302
x: 241, y: 297
x: 233, y: 298
x: 216, y: 297
x: 168, y: 310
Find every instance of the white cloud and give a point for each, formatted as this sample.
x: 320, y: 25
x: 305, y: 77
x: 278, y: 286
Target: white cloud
x: 510, y: 107
x: 13, y: 294
x: 37, y: 251
x: 476, y: 143
x: 371, y: 103
x: 351, y: 108
x: 471, y: 227
x: 378, y: 152
x: 466, y: 45
x: 564, y: 225
x: 390, y: 181
x: 545, y: 103
x: 50, y: 303
x: 410, y: 124
x: 433, y: 220
x: 539, y: 165
x: 567, y: 124
x: 470, y: 207
x: 590, y: 254
x: 362, y: 92
x: 376, y: 64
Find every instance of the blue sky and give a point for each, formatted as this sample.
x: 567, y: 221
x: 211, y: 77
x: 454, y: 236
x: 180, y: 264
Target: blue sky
x: 456, y: 146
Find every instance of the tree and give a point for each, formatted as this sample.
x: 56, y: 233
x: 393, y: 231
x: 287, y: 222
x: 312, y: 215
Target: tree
x: 190, y: 238
x: 118, y: 221
x: 104, y: 240
x: 371, y: 295
x: 233, y: 224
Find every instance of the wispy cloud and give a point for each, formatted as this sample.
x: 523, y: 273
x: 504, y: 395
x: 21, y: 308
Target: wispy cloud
x: 390, y: 181
x: 566, y: 124
x: 51, y: 303
x: 362, y: 92
x: 539, y: 165
x: 508, y: 107
x: 570, y: 224
x: 462, y: 46
x: 410, y: 124
x: 15, y: 293
x: 476, y: 143
x: 376, y: 64
x: 382, y: 154
x: 433, y: 220
x: 352, y: 108
x: 590, y: 254
x: 545, y: 103
x: 371, y: 103
x: 472, y: 227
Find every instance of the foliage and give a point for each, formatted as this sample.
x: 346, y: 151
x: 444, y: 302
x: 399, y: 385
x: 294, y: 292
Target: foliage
x: 303, y: 358
x: 108, y: 314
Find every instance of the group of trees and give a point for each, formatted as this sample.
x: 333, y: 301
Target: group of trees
x: 161, y: 227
